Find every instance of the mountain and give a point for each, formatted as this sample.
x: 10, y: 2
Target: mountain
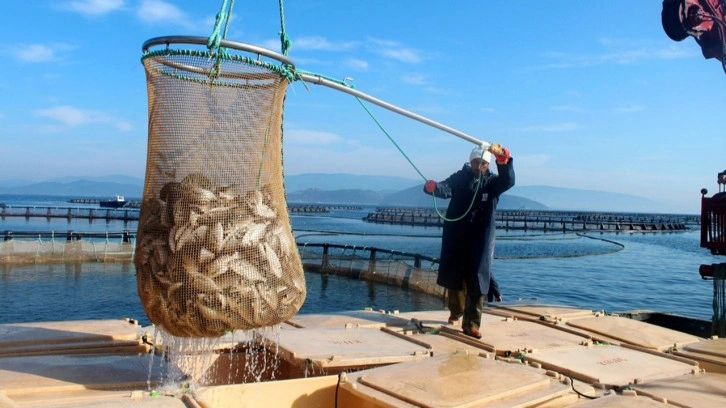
x: 78, y: 188
x: 355, y: 189
x: 114, y: 178
x: 586, y: 200
x: 415, y: 197
x: 314, y: 195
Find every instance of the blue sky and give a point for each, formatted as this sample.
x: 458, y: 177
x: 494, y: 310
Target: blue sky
x: 587, y: 95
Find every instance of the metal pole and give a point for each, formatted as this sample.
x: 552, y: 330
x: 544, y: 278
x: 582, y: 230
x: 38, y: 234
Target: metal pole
x: 315, y: 79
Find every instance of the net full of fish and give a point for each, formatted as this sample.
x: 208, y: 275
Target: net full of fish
x: 211, y: 259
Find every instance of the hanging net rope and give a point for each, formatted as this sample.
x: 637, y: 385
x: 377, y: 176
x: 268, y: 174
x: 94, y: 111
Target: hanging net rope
x: 215, y: 250
x: 719, y: 300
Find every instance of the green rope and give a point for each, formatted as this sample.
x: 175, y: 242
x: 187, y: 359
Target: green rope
x: 222, y: 19
x: 331, y: 79
x: 436, y: 207
x: 284, y: 40
x: 283, y: 71
x: 215, y: 40
x: 471, y: 204
x: 344, y: 83
x: 389, y: 137
x: 438, y: 212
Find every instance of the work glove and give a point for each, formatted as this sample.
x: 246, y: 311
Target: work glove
x: 503, y: 157
x: 430, y: 186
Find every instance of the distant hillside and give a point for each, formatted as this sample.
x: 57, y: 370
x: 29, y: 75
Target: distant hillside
x: 586, y: 200
x: 79, y: 188
x: 415, y: 197
x: 356, y: 189
x: 410, y: 197
x: 114, y: 178
x: 314, y: 195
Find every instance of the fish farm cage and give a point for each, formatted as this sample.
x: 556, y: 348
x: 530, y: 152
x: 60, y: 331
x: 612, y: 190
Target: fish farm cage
x: 406, y: 270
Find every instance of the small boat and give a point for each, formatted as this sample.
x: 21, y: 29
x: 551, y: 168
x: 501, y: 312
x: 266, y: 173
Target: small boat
x: 117, y: 202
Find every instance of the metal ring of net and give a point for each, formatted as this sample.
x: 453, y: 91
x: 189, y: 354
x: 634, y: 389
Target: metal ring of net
x: 215, y: 250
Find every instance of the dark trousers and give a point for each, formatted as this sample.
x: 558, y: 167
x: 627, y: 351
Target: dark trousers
x: 462, y: 304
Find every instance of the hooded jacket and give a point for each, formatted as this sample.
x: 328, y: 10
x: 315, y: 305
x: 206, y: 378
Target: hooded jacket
x: 468, y: 237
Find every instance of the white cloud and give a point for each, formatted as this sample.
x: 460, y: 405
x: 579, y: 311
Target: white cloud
x: 414, y: 79
x: 310, y: 137
x: 532, y: 160
x: 318, y: 43
x: 394, y: 50
x: 35, y: 53
x: 487, y: 110
x: 356, y: 64
x: 271, y: 44
x: 402, y: 54
x: 566, y: 108
x: 71, y: 116
x: 152, y: 11
x: 616, y: 51
x: 312, y: 43
x: 355, y: 159
x: 380, y: 43
x: 557, y: 127
x: 92, y: 8
x: 630, y: 109
x: 66, y: 114
x: 673, y: 52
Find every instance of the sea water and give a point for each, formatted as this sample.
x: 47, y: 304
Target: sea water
x: 599, y: 271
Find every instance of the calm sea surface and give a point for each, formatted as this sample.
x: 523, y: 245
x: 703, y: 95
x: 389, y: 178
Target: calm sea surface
x: 611, y: 271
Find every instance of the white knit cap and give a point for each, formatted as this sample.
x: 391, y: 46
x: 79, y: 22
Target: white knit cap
x: 477, y: 154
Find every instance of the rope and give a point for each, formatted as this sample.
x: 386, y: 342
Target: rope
x: 380, y: 126
x: 389, y: 137
x: 285, y: 42
x: 438, y: 212
x: 436, y: 207
x: 718, y: 327
x: 471, y: 204
x: 37, y: 251
x: 222, y: 20
x: 215, y: 40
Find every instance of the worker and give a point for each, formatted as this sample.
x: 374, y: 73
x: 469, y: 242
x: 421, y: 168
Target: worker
x: 467, y: 242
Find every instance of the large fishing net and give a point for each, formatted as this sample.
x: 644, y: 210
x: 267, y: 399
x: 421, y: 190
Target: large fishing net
x: 215, y: 250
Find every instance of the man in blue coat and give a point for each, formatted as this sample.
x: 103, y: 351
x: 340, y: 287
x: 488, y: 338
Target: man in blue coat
x: 467, y: 241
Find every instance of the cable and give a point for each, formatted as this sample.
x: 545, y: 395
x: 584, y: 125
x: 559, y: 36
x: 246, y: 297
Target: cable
x: 572, y: 384
x: 337, y: 386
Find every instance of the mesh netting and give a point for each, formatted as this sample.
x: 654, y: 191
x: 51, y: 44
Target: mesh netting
x: 718, y: 327
x: 215, y: 250
x: 385, y: 268
x: 50, y: 250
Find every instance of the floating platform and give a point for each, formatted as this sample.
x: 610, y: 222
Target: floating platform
x: 554, y: 221
x: 529, y: 356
